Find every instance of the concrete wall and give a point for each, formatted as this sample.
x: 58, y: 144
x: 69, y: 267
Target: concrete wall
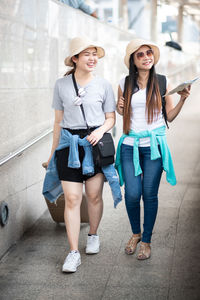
x: 34, y: 41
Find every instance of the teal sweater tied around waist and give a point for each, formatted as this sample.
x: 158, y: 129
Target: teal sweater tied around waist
x: 157, y: 136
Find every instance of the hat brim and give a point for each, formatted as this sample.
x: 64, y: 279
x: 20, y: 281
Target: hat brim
x: 100, y: 53
x: 156, y: 52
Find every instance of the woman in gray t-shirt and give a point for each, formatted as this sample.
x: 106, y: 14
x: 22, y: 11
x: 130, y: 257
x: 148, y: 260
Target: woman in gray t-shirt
x: 97, y: 97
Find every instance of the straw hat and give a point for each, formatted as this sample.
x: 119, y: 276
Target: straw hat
x: 135, y: 44
x: 79, y: 44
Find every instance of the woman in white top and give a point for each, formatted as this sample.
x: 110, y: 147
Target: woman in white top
x: 97, y: 98
x: 140, y: 103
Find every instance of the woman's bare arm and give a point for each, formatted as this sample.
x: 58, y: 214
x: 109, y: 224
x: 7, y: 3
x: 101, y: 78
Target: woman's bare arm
x: 171, y: 110
x: 97, y: 134
x: 56, y: 131
x: 120, y: 102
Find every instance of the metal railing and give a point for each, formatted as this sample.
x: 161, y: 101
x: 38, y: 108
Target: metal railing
x: 21, y: 149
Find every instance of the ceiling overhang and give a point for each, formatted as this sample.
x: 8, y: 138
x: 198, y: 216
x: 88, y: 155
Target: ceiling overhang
x: 190, y: 7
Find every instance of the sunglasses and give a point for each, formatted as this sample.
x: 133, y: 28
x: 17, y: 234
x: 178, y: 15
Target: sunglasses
x: 148, y: 53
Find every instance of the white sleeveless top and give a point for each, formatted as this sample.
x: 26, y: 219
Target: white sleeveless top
x: 139, y: 117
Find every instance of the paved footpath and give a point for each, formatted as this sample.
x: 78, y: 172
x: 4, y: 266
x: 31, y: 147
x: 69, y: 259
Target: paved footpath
x: 32, y: 268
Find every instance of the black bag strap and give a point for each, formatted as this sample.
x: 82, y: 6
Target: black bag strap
x: 81, y: 106
x: 162, y: 82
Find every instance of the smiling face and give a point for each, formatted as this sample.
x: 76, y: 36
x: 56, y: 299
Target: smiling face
x: 86, y: 60
x: 143, y: 58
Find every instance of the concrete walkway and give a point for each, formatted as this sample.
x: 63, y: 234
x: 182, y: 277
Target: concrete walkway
x: 32, y: 268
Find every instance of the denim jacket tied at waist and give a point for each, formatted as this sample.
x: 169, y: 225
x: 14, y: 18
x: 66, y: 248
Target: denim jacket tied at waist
x: 52, y: 188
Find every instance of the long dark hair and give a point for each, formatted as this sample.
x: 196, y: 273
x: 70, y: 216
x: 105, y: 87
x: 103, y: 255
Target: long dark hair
x: 153, y: 97
x: 73, y: 68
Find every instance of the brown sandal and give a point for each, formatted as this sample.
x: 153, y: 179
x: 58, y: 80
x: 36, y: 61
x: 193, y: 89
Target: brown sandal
x: 132, y: 244
x: 144, y: 251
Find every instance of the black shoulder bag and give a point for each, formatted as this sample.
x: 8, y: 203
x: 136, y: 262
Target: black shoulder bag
x: 104, y: 151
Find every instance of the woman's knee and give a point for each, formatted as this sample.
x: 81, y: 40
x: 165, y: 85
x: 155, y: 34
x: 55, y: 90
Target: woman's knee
x: 132, y: 203
x: 132, y: 198
x: 72, y: 200
x: 149, y: 197
x: 150, y: 194
x: 94, y: 198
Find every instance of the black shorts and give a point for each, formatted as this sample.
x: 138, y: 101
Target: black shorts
x: 70, y: 174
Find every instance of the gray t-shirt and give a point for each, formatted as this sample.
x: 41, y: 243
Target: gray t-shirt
x: 98, y: 100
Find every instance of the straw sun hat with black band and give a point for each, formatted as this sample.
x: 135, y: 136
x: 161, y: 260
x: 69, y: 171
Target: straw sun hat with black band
x: 135, y: 44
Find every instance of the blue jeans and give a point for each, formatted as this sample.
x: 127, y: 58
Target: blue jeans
x: 145, y: 185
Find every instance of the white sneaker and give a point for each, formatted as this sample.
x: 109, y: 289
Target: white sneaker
x: 92, y: 244
x: 72, y: 261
